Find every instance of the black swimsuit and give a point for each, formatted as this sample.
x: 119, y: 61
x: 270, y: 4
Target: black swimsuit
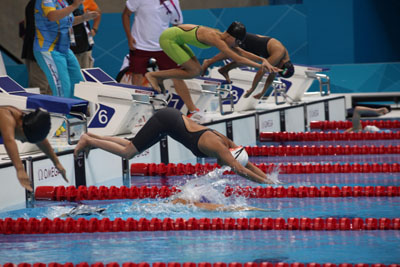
x: 164, y: 122
x: 256, y: 44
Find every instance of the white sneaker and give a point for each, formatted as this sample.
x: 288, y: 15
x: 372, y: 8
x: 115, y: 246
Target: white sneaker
x: 198, y: 116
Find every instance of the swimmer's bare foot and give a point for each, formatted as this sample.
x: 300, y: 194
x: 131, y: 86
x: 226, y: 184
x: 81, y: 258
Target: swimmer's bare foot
x: 383, y: 111
x: 248, y: 93
x: 82, y: 145
x: 153, y: 81
x: 225, y: 74
x: 258, y: 96
x: 204, y: 66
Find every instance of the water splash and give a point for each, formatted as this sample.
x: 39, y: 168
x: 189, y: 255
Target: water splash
x: 205, y: 188
x: 274, y: 175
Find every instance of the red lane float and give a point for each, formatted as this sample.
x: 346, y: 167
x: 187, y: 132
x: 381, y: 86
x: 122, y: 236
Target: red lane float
x: 139, y: 169
x: 315, y: 150
x: 46, y: 226
x: 326, y: 136
x: 200, y: 264
x: 341, y: 125
x: 102, y: 192
x: 71, y: 193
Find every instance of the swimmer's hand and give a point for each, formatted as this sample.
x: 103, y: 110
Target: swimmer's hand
x: 24, y: 180
x: 275, y: 180
x: 267, y: 66
x: 62, y: 171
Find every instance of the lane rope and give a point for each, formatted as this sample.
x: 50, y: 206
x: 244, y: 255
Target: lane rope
x: 10, y: 226
x: 172, y: 169
x: 327, y: 136
x: 342, y: 125
x: 71, y: 193
x: 321, y: 150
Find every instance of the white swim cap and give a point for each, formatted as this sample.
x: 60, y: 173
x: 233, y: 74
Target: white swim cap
x: 240, y: 154
x: 371, y: 128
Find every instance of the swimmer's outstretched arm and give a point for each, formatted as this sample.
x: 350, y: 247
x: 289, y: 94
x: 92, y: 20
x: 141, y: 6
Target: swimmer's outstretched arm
x: 359, y: 110
x: 214, y: 206
x: 48, y: 150
x: 250, y: 172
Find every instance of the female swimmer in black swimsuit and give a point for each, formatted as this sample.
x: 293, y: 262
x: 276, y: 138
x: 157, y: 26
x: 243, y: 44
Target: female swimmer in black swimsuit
x: 202, y: 141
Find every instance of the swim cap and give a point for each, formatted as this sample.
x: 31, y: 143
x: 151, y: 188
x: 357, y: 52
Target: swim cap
x: 240, y: 154
x: 287, y: 70
x: 237, y: 30
x: 371, y: 128
x: 36, y: 125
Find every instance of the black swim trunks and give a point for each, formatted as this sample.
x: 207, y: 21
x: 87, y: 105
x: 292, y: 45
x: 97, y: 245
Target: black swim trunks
x: 168, y: 121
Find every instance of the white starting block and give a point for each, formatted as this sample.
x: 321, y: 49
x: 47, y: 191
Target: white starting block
x: 203, y: 91
x: 12, y: 94
x: 117, y: 108
x: 285, y: 90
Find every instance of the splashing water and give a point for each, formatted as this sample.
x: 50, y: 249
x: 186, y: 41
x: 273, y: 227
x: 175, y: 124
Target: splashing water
x: 273, y: 175
x: 207, y: 188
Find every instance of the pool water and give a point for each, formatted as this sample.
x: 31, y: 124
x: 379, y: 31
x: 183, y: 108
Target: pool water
x: 365, y: 246
x: 212, y: 246
x: 205, y: 246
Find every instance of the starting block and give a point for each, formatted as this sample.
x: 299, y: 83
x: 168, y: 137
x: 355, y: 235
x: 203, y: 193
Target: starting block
x: 13, y: 94
x: 117, y: 108
x: 203, y: 91
x: 285, y: 90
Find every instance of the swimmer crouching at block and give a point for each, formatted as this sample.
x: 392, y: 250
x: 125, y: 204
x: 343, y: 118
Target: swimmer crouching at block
x: 202, y: 141
x: 32, y: 127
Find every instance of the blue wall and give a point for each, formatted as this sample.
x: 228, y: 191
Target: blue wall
x: 377, y: 34
x: 317, y: 32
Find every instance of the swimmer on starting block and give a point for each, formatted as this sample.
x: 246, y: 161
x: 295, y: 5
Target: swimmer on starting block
x: 32, y: 127
x: 202, y: 141
x: 257, y: 48
x: 356, y: 119
x: 175, y: 40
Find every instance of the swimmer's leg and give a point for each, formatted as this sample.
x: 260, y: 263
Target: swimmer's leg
x: 224, y: 71
x: 188, y: 70
x: 115, y: 145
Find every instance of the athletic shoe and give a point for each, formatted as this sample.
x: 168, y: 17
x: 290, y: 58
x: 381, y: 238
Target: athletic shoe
x: 190, y: 113
x: 197, y: 116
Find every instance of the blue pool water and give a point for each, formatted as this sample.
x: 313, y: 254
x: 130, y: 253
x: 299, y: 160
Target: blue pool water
x: 362, y: 207
x: 209, y: 246
x: 376, y: 246
x: 213, y: 246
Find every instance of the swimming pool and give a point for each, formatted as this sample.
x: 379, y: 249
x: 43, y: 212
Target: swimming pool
x: 281, y: 233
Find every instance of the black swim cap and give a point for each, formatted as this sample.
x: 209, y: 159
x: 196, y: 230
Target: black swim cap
x: 287, y: 70
x: 237, y: 30
x: 36, y: 125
